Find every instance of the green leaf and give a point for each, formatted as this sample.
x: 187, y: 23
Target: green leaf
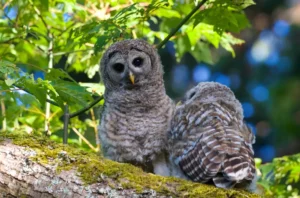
x: 46, y: 84
x: 167, y: 13
x: 27, y: 99
x: 12, y: 113
x: 7, y: 67
x: 29, y: 120
x: 72, y: 93
x: 43, y: 5
x: 227, y: 40
x: 94, y: 88
x: 201, y: 52
x: 247, y: 3
x: 56, y: 74
x: 182, y: 45
x: 101, y: 43
x: 9, y: 81
x: 35, y: 89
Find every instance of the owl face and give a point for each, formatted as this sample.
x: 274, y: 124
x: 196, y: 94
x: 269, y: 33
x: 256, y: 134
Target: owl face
x: 128, y: 64
x: 128, y: 69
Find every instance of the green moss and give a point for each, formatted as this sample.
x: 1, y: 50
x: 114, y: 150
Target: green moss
x: 93, y: 168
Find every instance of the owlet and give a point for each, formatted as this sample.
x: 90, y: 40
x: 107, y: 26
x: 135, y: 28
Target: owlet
x: 209, y: 142
x: 137, y: 112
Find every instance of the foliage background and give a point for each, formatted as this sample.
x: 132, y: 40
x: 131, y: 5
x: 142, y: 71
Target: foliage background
x: 70, y: 36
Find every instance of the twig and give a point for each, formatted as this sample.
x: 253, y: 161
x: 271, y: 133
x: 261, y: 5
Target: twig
x: 63, y: 31
x: 52, y: 102
x: 29, y: 41
x: 66, y: 124
x: 8, y: 18
x: 50, y: 66
x: 7, y: 4
x: 87, y: 107
x: 84, y: 139
x: 50, y: 63
x: 95, y: 128
x: 181, y: 24
x: 3, y: 110
x: 34, y: 109
x: 70, y: 52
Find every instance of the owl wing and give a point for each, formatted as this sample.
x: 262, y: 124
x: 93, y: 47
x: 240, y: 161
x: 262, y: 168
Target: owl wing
x: 218, y: 152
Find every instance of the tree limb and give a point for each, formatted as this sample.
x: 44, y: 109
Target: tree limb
x: 87, y: 107
x: 181, y: 24
x: 33, y: 166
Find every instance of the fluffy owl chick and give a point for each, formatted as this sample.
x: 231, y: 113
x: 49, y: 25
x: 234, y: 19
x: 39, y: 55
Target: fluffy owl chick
x: 209, y: 142
x: 137, y: 112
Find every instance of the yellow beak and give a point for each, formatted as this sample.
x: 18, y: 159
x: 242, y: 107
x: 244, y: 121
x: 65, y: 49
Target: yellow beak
x: 131, y: 77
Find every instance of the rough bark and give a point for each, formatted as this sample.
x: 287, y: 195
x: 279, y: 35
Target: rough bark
x: 54, y: 171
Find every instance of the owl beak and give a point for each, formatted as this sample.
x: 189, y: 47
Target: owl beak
x: 131, y: 77
x: 179, y: 103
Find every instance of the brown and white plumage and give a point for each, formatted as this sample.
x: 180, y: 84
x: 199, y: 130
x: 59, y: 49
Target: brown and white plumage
x: 137, y: 111
x: 209, y: 142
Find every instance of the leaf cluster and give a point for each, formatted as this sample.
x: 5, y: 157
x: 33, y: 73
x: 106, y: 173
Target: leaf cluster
x: 280, y: 178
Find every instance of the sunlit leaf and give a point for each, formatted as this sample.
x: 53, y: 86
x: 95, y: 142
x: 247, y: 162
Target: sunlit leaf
x: 7, y: 67
x: 72, y: 93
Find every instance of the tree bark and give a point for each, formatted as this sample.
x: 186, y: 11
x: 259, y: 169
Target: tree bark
x: 24, y: 174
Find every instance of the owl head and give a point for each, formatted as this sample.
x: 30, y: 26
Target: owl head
x: 130, y: 64
x: 208, y: 92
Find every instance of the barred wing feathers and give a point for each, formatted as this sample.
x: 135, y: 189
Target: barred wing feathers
x: 214, y: 147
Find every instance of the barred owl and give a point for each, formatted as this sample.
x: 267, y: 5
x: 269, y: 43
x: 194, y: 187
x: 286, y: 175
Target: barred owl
x: 137, y: 112
x: 209, y: 142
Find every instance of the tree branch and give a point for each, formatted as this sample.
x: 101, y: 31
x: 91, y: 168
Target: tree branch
x: 67, y: 171
x: 66, y: 124
x: 3, y: 110
x: 70, y: 52
x: 181, y: 24
x: 10, y: 20
x: 86, y: 108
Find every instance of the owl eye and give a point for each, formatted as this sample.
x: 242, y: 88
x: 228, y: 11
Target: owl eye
x: 137, y: 62
x: 118, y: 67
x: 192, y: 95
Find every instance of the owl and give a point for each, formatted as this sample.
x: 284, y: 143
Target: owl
x: 137, y: 112
x: 208, y: 140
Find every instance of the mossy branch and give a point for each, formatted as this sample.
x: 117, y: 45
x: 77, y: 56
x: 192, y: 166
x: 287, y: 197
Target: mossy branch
x: 44, y: 167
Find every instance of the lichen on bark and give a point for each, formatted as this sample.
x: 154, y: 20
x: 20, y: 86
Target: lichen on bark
x: 101, y: 176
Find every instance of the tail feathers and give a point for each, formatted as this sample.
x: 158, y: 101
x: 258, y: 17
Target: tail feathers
x: 222, y: 182
x: 238, y: 168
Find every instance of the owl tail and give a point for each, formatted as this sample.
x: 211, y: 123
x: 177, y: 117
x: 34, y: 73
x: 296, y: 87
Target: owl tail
x: 236, y: 169
x: 222, y: 182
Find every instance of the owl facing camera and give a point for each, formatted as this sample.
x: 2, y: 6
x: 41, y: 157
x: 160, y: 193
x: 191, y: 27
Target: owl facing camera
x: 137, y: 112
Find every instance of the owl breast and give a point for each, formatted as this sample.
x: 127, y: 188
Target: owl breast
x: 135, y: 135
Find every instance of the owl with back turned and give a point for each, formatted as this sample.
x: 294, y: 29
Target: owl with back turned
x: 137, y: 112
x: 208, y: 140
